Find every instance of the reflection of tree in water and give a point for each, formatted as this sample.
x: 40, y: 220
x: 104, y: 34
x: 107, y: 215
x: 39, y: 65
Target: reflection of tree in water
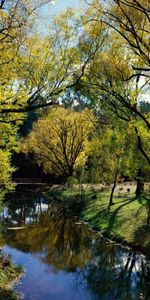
x: 55, y: 235
x: 22, y: 206
x: 57, y: 238
x: 116, y: 274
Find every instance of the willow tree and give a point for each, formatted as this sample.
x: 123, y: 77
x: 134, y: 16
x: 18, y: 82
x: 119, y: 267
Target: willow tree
x: 117, y: 78
x: 111, y: 151
x: 36, y: 70
x: 41, y: 68
x: 111, y: 95
x: 129, y: 20
x: 16, y: 25
x: 58, y: 140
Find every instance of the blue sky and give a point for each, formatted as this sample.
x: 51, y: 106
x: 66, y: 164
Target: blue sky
x: 62, y: 4
x: 51, y: 10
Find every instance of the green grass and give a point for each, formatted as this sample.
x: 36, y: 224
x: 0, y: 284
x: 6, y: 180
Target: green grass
x: 125, y: 221
x: 63, y: 193
x: 9, y: 274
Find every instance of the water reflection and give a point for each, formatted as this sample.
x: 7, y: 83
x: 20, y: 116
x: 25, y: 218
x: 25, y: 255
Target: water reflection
x: 116, y: 274
x: 55, y: 238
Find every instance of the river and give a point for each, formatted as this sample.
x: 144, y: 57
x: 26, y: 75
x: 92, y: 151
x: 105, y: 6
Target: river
x: 63, y: 259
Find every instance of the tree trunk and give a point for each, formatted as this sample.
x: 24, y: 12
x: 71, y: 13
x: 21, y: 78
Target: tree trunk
x: 148, y: 213
x: 70, y: 171
x: 140, y: 147
x: 140, y: 184
x: 112, y: 191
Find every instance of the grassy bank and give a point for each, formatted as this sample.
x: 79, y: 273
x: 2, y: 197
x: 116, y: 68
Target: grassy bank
x: 125, y: 221
x: 9, y: 274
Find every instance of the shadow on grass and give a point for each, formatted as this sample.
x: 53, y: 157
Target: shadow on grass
x: 145, y: 203
x: 106, y: 219
x: 106, y: 216
x: 92, y: 202
x: 114, y: 213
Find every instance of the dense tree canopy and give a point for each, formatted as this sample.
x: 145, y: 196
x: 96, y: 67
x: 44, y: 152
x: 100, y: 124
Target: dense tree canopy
x: 129, y: 20
x: 16, y: 21
x: 58, y: 140
x: 101, y: 55
x: 112, y: 80
x: 35, y: 69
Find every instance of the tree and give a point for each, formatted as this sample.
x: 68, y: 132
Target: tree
x: 16, y: 20
x: 130, y: 21
x: 58, y: 140
x: 36, y: 70
x: 44, y: 67
x: 114, y: 153
x: 109, y: 80
x: 106, y: 81
x: 103, y: 84
x: 8, y: 143
x: 111, y: 155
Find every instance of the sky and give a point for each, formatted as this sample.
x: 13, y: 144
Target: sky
x: 62, y: 4
x: 49, y: 11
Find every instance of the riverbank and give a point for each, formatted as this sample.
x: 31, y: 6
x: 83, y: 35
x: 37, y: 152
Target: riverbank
x: 125, y: 221
x: 9, y: 275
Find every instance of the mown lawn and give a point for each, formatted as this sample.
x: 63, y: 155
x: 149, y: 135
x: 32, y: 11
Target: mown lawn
x: 126, y: 220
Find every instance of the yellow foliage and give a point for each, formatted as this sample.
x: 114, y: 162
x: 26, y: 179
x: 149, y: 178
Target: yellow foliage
x: 58, y: 140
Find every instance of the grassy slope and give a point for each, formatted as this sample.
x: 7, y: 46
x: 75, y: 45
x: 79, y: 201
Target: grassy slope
x: 126, y: 220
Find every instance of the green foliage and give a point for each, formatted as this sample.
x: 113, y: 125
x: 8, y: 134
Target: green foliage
x: 16, y: 19
x: 99, y: 56
x: 118, y: 76
x: 35, y: 69
x: 8, y: 143
x: 110, y: 153
x: 71, y: 181
x: 144, y: 107
x: 58, y: 140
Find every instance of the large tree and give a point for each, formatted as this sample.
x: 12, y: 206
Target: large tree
x: 129, y: 19
x: 110, y: 81
x: 36, y: 70
x: 16, y: 25
x: 58, y: 140
x: 111, y: 151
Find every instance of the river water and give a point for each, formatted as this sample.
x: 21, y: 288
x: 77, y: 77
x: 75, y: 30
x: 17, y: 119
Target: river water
x: 63, y: 259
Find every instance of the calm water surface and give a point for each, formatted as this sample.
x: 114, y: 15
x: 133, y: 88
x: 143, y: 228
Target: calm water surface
x: 62, y: 258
